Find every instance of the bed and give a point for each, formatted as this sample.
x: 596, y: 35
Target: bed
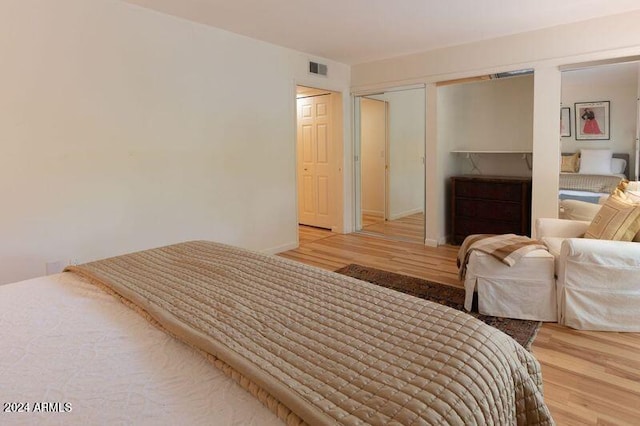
x: 173, y: 335
x: 587, y: 179
x: 591, y: 175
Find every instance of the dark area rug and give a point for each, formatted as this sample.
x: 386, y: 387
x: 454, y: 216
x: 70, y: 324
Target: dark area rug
x: 522, y: 331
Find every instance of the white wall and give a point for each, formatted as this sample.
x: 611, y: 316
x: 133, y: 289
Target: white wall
x: 488, y: 115
x: 615, y: 83
x: 123, y: 129
x: 544, y: 51
x: 406, y: 151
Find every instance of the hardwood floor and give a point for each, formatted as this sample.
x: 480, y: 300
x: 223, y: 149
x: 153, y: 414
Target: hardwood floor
x: 308, y: 234
x: 408, y: 228
x: 437, y: 264
x: 590, y: 378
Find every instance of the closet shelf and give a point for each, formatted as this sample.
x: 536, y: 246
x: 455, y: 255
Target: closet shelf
x: 470, y: 153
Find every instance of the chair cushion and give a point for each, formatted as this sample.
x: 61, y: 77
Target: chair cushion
x: 618, y: 219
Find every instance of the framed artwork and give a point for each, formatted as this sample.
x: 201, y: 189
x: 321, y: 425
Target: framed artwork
x: 565, y: 121
x: 592, y: 120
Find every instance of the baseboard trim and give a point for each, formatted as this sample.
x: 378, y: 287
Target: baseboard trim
x: 435, y: 243
x: 404, y: 214
x: 280, y: 249
x: 430, y: 242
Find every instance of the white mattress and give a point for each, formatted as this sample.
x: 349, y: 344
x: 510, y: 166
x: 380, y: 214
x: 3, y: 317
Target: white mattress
x: 65, y: 341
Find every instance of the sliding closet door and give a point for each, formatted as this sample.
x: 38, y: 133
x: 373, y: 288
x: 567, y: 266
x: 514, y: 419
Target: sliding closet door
x: 390, y: 149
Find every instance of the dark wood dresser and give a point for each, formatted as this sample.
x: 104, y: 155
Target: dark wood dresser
x: 490, y: 205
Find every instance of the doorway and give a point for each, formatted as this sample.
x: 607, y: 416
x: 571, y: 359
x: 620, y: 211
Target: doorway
x: 319, y: 158
x: 389, y: 164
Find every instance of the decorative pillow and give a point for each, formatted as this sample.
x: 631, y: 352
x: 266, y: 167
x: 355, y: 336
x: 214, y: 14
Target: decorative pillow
x: 618, y: 165
x: 622, y: 186
x: 618, y: 219
x: 570, y: 163
x: 595, y: 161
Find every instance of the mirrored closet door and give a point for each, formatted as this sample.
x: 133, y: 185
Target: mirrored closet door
x: 389, y: 154
x: 599, y: 137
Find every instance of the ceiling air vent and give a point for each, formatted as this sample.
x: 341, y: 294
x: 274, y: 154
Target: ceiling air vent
x: 316, y: 68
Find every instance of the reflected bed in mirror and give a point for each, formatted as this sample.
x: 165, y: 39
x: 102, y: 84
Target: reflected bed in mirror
x: 587, y: 179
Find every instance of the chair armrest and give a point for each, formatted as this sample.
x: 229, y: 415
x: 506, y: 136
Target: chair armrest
x: 565, y: 228
x: 598, y: 284
x: 600, y: 266
x: 614, y: 254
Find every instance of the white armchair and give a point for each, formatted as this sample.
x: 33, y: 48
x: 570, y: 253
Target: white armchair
x: 598, y: 281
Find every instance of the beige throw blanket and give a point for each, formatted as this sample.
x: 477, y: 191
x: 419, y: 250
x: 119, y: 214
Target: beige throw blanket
x: 508, y: 248
x: 329, y: 348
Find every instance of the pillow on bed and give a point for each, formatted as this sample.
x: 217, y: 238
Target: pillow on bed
x: 618, y: 165
x: 595, y: 161
x: 618, y: 219
x: 570, y: 163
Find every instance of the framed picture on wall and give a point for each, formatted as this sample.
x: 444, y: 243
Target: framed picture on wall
x: 565, y: 122
x: 592, y: 120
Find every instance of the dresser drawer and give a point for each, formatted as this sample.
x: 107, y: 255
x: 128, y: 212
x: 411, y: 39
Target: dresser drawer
x: 506, y: 191
x: 488, y: 209
x: 469, y: 226
x: 489, y: 205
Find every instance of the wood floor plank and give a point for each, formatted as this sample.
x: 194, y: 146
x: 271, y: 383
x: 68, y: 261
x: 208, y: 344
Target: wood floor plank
x: 590, y: 378
x: 410, y: 228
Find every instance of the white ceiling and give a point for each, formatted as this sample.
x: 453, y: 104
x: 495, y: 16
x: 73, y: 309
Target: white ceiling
x: 356, y: 31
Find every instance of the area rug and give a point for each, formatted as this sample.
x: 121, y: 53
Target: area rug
x: 522, y: 331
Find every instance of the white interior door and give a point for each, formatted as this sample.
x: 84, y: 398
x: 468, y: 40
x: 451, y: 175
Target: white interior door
x: 315, y: 158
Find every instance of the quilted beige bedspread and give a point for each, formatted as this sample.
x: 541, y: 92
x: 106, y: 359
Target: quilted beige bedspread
x: 332, y: 349
x: 604, y: 184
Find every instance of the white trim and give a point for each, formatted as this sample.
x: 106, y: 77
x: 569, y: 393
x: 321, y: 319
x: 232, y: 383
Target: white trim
x: 435, y: 243
x: 405, y: 213
x: 591, y: 64
x: 318, y: 84
x: 386, y: 89
x: 636, y: 159
x: 620, y: 54
x: 280, y: 249
x: 430, y: 243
